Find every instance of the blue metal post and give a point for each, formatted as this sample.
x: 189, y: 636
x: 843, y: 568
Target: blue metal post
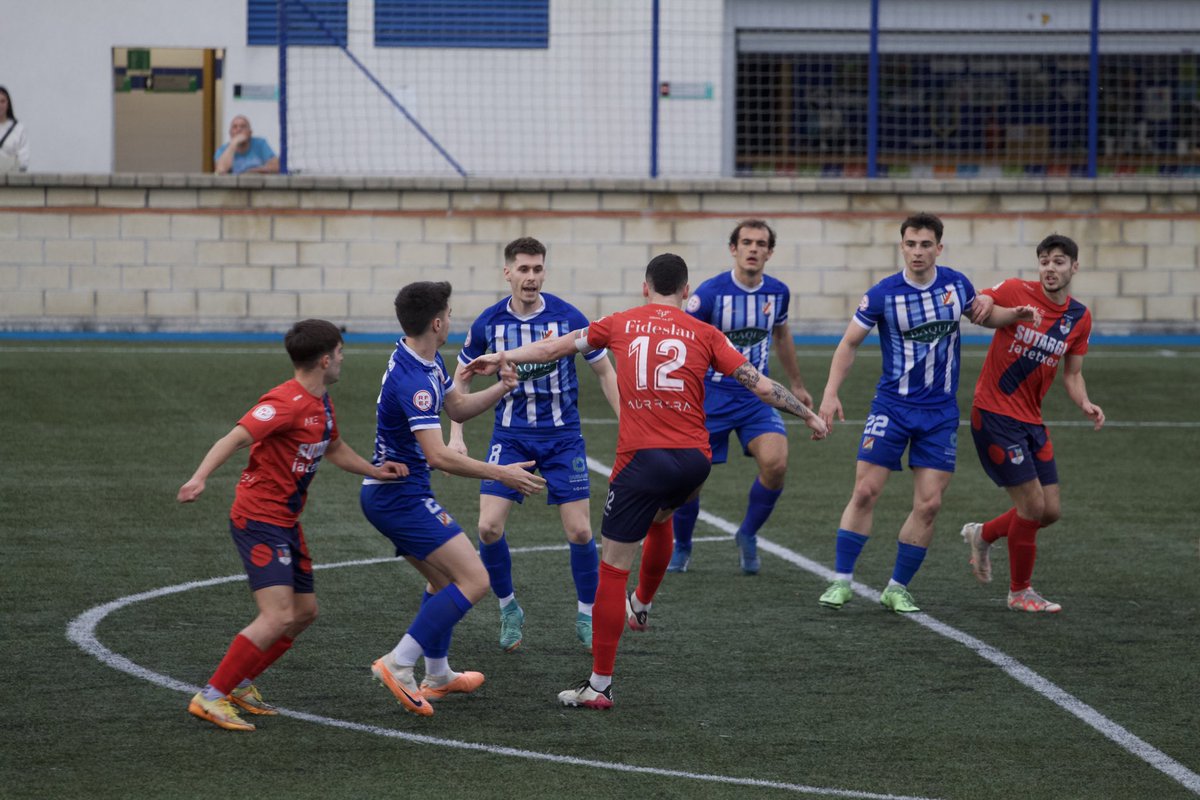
x: 654, y: 90
x: 873, y: 95
x: 281, y: 21
x: 1093, y: 140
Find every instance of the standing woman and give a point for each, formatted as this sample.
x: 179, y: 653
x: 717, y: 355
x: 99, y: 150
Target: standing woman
x: 14, y: 143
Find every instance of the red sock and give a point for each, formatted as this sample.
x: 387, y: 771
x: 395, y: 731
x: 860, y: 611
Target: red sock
x: 608, y: 617
x: 656, y: 555
x: 242, y: 657
x: 1022, y: 551
x: 993, y: 529
x: 271, y: 656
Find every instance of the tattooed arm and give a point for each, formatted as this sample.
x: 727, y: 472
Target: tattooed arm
x: 773, y: 394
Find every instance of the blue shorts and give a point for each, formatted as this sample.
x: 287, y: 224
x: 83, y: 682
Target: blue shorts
x: 930, y: 434
x: 650, y: 481
x: 1013, y: 452
x: 561, y: 460
x: 412, y: 520
x: 273, y: 556
x: 740, y: 412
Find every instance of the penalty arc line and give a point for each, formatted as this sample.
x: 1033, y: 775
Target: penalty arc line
x: 82, y: 632
x: 1119, y: 735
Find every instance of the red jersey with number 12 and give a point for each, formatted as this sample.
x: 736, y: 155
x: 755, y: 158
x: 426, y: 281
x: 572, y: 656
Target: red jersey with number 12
x: 291, y: 431
x: 1022, y: 360
x: 662, y: 355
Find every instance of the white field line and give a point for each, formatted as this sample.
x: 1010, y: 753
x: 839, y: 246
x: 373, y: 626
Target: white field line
x: 1070, y: 423
x: 1014, y: 669
x: 82, y: 631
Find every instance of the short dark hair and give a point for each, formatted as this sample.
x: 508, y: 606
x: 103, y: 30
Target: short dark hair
x: 923, y: 221
x: 526, y: 245
x: 419, y: 303
x: 753, y: 223
x: 1056, y: 241
x: 11, y: 114
x: 309, y: 339
x: 667, y: 274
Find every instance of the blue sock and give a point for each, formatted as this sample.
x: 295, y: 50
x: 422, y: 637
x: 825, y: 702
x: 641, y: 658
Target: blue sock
x: 498, y: 563
x: 441, y: 647
x: 849, y: 545
x: 438, y: 616
x: 758, y: 508
x: 585, y: 569
x: 908, y: 561
x: 685, y: 523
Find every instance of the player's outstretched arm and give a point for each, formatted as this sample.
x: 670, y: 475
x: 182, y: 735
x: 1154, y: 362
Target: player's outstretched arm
x: 1001, y: 317
x: 785, y: 348
x: 462, y: 383
x: 217, y: 455
x: 839, y: 369
x: 514, y: 476
x: 608, y: 383
x: 342, y: 455
x: 461, y: 405
x: 542, y: 351
x: 1077, y: 390
x: 773, y: 394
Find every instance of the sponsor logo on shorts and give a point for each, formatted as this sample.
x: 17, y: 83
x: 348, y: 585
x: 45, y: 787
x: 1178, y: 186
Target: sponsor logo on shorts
x: 264, y: 413
x: 261, y: 555
x: 868, y: 443
x: 423, y: 400
x: 579, y: 464
x: 445, y: 518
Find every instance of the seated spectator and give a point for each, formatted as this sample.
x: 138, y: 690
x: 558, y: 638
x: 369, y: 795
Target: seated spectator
x: 244, y: 152
x: 14, y: 143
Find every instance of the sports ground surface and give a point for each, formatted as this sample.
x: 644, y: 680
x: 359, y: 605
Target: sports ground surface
x: 117, y: 603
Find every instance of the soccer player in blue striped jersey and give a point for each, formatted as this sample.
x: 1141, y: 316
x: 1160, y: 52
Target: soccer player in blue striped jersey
x: 917, y: 312
x: 751, y: 309
x: 538, y: 421
x: 416, y: 387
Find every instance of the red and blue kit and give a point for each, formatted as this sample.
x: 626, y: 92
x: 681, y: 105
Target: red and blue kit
x: 1022, y: 360
x: 291, y: 430
x: 662, y: 356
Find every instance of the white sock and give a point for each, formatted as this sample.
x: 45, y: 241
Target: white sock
x: 892, y: 582
x: 210, y: 693
x: 584, y: 608
x: 844, y: 576
x: 406, y: 653
x: 438, y: 667
x: 505, y: 601
x: 600, y: 682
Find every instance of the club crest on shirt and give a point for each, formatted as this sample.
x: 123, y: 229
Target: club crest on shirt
x: 1064, y: 325
x: 264, y: 413
x: 948, y: 297
x: 930, y: 332
x: 693, y: 304
x: 423, y: 400
x: 864, y: 303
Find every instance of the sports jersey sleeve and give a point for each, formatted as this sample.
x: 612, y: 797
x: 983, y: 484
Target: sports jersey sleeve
x: 1083, y: 332
x: 599, y: 331
x: 269, y: 415
x: 476, y: 343
x: 968, y: 292
x: 870, y: 308
x: 577, y: 321
x: 785, y: 299
x: 700, y: 304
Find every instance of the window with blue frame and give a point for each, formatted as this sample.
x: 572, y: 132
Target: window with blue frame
x: 309, y: 22
x: 463, y: 23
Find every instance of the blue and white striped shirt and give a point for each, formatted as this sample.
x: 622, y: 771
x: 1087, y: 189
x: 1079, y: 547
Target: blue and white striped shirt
x: 746, y: 316
x: 411, y: 399
x: 919, y: 335
x: 545, y: 401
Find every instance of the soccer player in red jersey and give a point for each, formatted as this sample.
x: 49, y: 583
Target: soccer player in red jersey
x: 1006, y: 418
x: 289, y: 430
x: 663, y: 454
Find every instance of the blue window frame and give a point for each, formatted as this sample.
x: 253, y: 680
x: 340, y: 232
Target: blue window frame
x: 463, y: 23
x: 309, y: 22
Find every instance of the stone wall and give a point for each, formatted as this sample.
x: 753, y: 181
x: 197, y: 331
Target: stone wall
x: 204, y: 253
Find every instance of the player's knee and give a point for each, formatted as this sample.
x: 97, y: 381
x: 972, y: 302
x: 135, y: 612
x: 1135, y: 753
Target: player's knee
x: 490, y: 532
x: 927, y: 508
x: 474, y: 583
x: 1050, y: 516
x: 771, y: 474
x: 581, y: 535
x: 865, y: 495
x: 303, y: 618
